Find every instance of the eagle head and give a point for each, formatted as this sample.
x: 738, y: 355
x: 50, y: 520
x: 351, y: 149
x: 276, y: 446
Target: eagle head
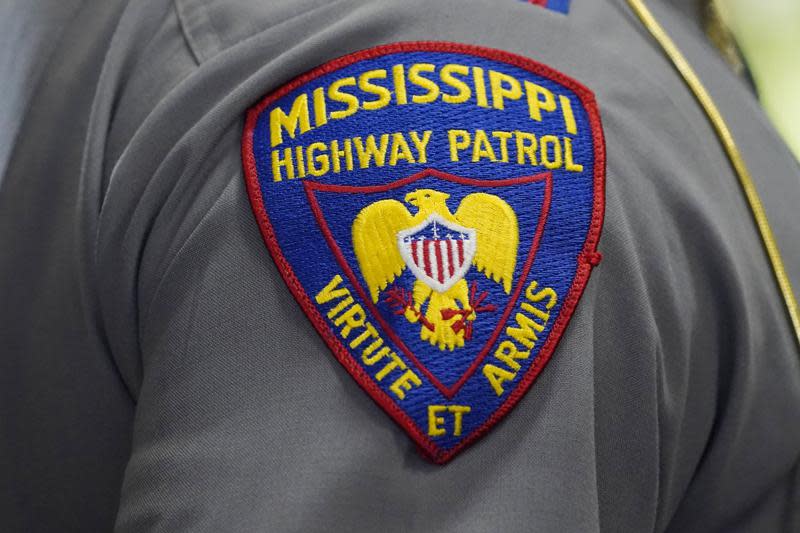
x: 428, y: 201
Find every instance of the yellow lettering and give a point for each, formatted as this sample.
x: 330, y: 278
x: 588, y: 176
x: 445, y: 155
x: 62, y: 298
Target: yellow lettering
x: 337, y: 154
x: 545, y: 141
x: 395, y: 362
x: 415, y: 77
x: 320, y: 109
x: 569, y: 164
x: 504, y: 136
x: 335, y: 94
x: 464, y: 92
x: 404, y: 383
x: 524, y: 149
x: 341, y: 305
x: 547, y: 292
x: 400, y: 149
x: 318, y: 165
x: 331, y: 292
x: 353, y: 318
x: 384, y: 95
x: 435, y: 422
x: 458, y: 414
x: 497, y: 376
x: 539, y: 99
x: 569, y: 117
x: 480, y: 87
x: 285, y: 162
x: 455, y: 144
x: 399, y: 78
x: 421, y: 144
x: 369, y: 331
x: 298, y: 117
x: 370, y: 359
x: 301, y: 165
x: 482, y: 147
x: 371, y: 150
x: 508, y: 353
x: 377, y: 343
x: 503, y: 86
x: 524, y: 334
x: 536, y: 312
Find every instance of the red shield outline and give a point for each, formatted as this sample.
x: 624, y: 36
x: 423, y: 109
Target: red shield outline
x: 312, y: 186
x: 409, y: 249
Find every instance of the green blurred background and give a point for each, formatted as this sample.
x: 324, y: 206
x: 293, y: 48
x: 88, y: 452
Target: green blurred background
x: 768, y: 35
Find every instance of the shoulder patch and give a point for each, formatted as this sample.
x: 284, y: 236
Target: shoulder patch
x: 435, y: 210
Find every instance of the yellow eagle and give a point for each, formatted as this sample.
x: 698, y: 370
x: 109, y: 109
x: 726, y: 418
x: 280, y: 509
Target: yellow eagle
x: 377, y: 232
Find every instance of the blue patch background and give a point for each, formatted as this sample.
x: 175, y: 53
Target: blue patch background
x: 306, y: 250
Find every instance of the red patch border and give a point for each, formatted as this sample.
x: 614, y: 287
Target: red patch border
x: 586, y: 259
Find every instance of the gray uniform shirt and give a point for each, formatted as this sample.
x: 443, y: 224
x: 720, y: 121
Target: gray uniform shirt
x: 156, y: 373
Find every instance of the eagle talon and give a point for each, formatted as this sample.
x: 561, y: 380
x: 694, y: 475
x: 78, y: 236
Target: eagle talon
x: 402, y: 303
x: 470, y: 313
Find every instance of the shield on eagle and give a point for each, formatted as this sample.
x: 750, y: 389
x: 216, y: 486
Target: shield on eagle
x: 438, y: 252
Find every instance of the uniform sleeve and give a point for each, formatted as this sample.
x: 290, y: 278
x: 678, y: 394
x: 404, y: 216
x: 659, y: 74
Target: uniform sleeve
x: 667, y: 403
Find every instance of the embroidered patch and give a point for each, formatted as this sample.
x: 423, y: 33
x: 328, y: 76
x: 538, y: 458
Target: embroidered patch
x: 562, y: 6
x: 435, y: 210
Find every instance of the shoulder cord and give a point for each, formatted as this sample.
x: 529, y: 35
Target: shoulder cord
x: 734, y: 155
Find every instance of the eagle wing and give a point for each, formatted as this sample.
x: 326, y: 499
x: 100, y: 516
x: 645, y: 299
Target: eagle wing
x: 375, y: 243
x: 497, y: 235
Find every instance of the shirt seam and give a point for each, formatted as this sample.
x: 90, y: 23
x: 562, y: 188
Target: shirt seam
x: 194, y: 23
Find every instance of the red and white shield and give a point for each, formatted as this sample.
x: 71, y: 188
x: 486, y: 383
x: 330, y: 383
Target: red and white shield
x: 437, y: 251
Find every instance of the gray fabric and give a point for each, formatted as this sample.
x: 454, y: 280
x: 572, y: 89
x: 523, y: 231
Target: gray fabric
x: 65, y: 421
x: 27, y: 39
x: 145, y: 327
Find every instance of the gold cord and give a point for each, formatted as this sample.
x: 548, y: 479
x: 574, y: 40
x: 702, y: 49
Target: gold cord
x: 734, y: 155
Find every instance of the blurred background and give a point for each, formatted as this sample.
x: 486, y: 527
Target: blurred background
x: 768, y: 36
